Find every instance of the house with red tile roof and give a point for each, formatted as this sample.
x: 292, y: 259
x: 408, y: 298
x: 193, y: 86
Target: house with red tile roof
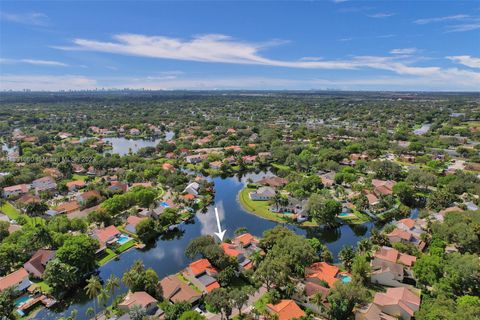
x: 106, y: 235
x: 322, y: 272
x: 83, y: 197
x: 38, y: 262
x: 68, y: 207
x: 28, y: 198
x: 203, y: 275
x: 141, y: 299
x: 19, y: 280
x: 231, y: 250
x: 286, y: 310
x: 389, y: 257
x: 75, y: 185
x: 132, y: 222
x: 118, y: 186
x: 383, y: 187
x: 16, y: 190
x: 398, y: 302
x: 275, y: 182
x: 372, y: 312
x: 168, y: 166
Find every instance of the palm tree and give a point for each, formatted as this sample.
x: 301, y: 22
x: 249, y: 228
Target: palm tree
x: 93, y: 289
x: 112, y: 283
x: 90, y: 312
x: 103, y: 297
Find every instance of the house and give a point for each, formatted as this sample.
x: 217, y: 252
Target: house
x: 286, y: 310
x: 139, y: 298
x: 38, y: 262
x: 83, y: 197
x: 386, y: 256
x: 388, y: 274
x: 75, y: 185
x: 202, y: 274
x: 196, y: 158
x: 168, y: 166
x: 358, y: 156
x: 176, y: 290
x: 328, y: 179
x: 232, y: 251
x: 192, y: 189
x: 132, y: 222
x: 117, y: 186
x: 245, y: 241
x: 53, y: 172
x: 142, y: 184
x: 44, y: 184
x: 372, y: 312
x: 68, y: 207
x: 398, y: 302
x: 407, y: 158
x: 235, y: 149
x: 322, y: 272
x: 77, y: 168
x: 16, y: 190
x: 134, y: 131
x: 406, y: 237
x: 215, y: 165
x: 411, y: 225
x: 440, y: 216
x: 249, y: 159
x: 383, y: 187
x: 19, y: 280
x: 262, y: 194
x: 274, y: 182
x: 28, y: 198
x: 372, y: 199
x: 106, y: 235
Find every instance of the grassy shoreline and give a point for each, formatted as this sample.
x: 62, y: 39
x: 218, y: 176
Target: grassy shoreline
x: 260, y: 209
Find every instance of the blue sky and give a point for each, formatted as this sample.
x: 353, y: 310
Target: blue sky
x: 348, y: 45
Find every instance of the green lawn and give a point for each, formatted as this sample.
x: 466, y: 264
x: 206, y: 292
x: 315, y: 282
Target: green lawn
x: 44, y: 287
x: 280, y: 166
x: 10, y: 211
x: 125, y: 246
x: 108, y: 255
x: 13, y: 213
x: 260, y: 208
x: 79, y: 177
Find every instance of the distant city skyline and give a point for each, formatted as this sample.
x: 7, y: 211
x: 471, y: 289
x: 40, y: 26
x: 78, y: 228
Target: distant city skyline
x: 317, y: 45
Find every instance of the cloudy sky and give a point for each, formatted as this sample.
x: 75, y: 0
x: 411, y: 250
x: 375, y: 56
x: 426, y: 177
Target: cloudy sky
x: 348, y: 45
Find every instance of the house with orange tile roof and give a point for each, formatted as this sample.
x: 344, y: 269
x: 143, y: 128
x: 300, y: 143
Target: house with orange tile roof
x: 286, y: 310
x: 398, y: 302
x: 106, y: 236
x: 215, y: 165
x: 16, y: 190
x: 168, y: 166
x: 141, y: 299
x: 322, y: 272
x: 132, y: 222
x: 203, y: 275
x: 231, y: 250
x: 83, y: 197
x: 19, y: 280
x: 75, y: 185
x: 68, y: 207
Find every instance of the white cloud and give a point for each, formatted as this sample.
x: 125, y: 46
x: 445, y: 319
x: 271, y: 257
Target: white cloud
x: 31, y: 18
x: 442, y: 19
x: 468, y: 61
x: 381, y: 15
x: 403, y: 51
x: 218, y: 48
x: 34, y: 62
x: 463, y: 27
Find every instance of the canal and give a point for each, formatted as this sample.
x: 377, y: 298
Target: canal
x: 167, y: 256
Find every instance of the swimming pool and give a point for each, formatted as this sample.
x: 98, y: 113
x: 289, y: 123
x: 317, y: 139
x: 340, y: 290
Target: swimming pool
x: 123, y: 238
x: 164, y: 204
x: 343, y: 214
x: 345, y: 278
x: 21, y: 300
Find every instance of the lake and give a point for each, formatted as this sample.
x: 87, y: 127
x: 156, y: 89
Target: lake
x: 167, y: 256
x: 123, y: 146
